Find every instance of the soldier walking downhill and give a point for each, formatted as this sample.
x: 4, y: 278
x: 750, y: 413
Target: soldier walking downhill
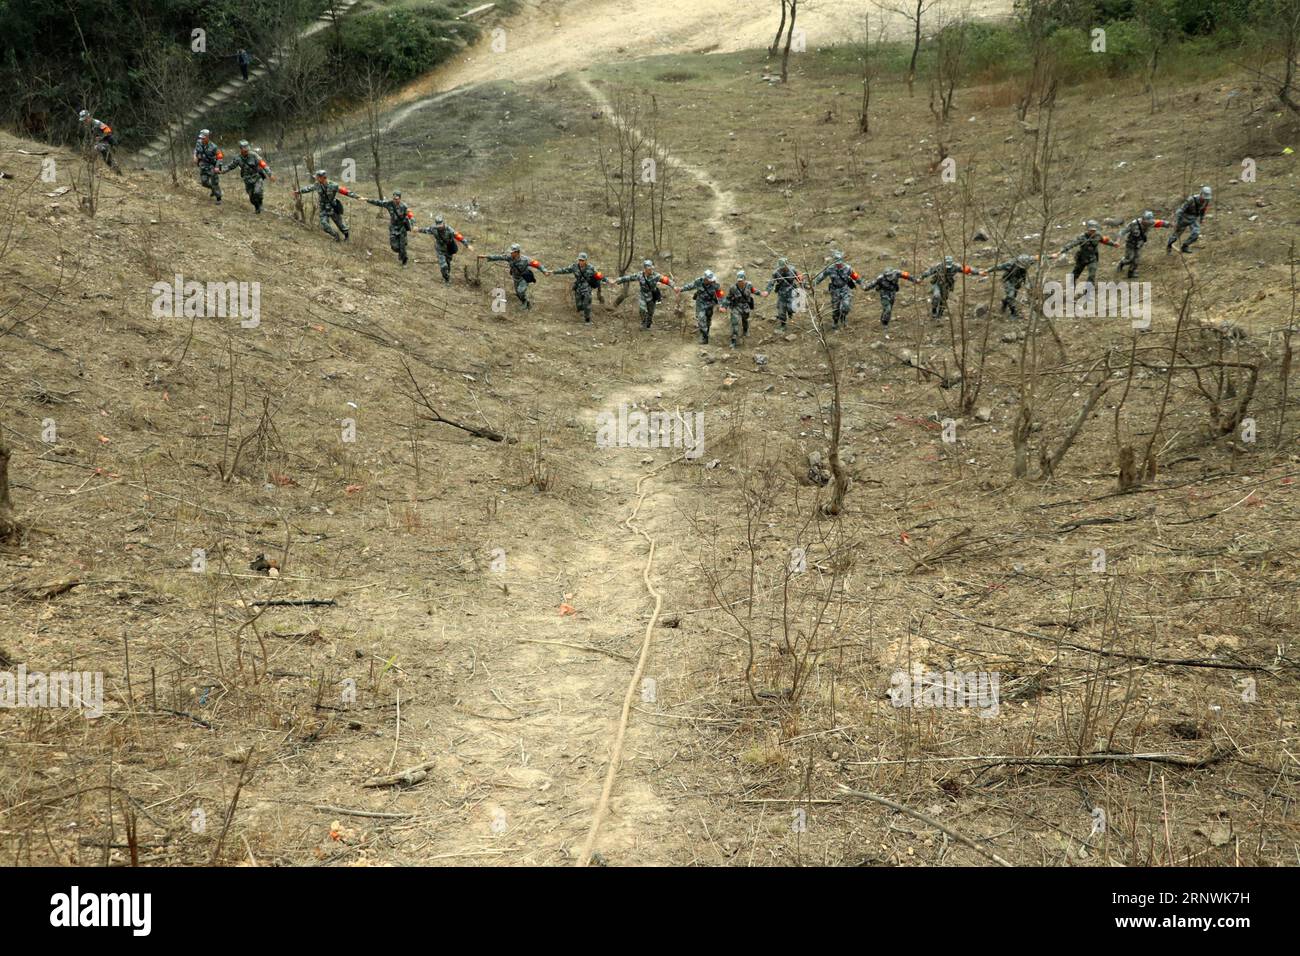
x: 328, y: 203
x: 1135, y: 237
x: 208, y: 159
x: 708, y: 293
x: 785, y: 281
x: 1087, y: 243
x: 399, y: 222
x: 843, y: 280
x: 102, y: 138
x: 585, y: 279
x: 1015, y: 272
x: 739, y: 301
x: 1190, y: 214
x: 888, y: 284
x: 943, y: 278
x: 253, y: 171
x: 446, y: 241
x: 521, y: 271
x: 648, y: 292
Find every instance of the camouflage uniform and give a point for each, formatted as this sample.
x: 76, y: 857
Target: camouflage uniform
x: 1190, y: 213
x: 585, y: 278
x: 785, y: 280
x: 708, y: 292
x: 887, y: 283
x: 843, y: 281
x: 445, y: 241
x: 521, y: 273
x: 1135, y: 237
x: 739, y: 300
x: 102, y: 138
x: 1015, y: 273
x: 254, y: 172
x: 942, y: 276
x: 648, y: 290
x: 399, y: 223
x: 208, y: 158
x: 1086, y: 258
x: 329, y: 205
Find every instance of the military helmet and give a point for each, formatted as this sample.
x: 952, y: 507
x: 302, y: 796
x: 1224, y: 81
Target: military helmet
x: 515, y: 247
x: 740, y: 273
x: 837, y: 255
x: 83, y: 115
x: 582, y: 257
x: 321, y: 174
x: 948, y: 260
x: 1090, y: 225
x: 1023, y: 259
x: 782, y: 262
x: 397, y: 194
x: 708, y: 273
x: 1148, y: 216
x: 1206, y: 192
x: 438, y: 220
x: 243, y: 144
x: 646, y: 264
x: 205, y: 132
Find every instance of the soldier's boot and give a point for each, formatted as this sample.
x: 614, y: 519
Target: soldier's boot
x: 446, y: 275
x: 744, y: 325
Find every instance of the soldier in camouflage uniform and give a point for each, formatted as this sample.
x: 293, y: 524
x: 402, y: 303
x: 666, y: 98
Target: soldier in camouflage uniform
x: 739, y: 301
x: 208, y: 158
x: 708, y: 292
x: 648, y: 292
x: 445, y: 240
x: 1135, y: 237
x: 399, y: 222
x: 328, y: 203
x: 843, y: 280
x: 1015, y: 273
x: 785, y: 280
x: 1087, y: 242
x: 102, y: 137
x: 1190, y: 213
x: 887, y: 283
x: 942, y: 276
x: 253, y: 171
x: 585, y: 279
x: 521, y: 271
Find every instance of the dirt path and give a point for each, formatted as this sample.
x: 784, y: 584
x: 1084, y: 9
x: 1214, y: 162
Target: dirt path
x: 537, y: 722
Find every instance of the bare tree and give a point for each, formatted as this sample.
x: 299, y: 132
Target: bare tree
x: 1278, y: 36
x: 167, y: 73
x: 913, y: 11
x: 870, y: 69
x: 374, y: 88
x: 780, y: 29
x: 950, y: 44
x: 625, y: 167
x: 789, y: 36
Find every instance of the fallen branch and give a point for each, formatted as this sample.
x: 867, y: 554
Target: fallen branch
x: 436, y: 416
x: 917, y: 814
x: 403, y: 778
x: 578, y: 647
x: 295, y: 602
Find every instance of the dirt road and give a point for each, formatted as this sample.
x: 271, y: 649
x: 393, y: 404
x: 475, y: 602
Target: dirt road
x: 551, y: 37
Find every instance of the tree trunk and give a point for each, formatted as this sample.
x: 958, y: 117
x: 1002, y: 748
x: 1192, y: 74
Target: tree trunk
x: 776, y: 41
x: 916, y: 47
x: 785, y: 56
x: 9, y: 527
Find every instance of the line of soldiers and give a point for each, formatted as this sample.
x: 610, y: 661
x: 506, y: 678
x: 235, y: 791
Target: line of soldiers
x: 738, y: 299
